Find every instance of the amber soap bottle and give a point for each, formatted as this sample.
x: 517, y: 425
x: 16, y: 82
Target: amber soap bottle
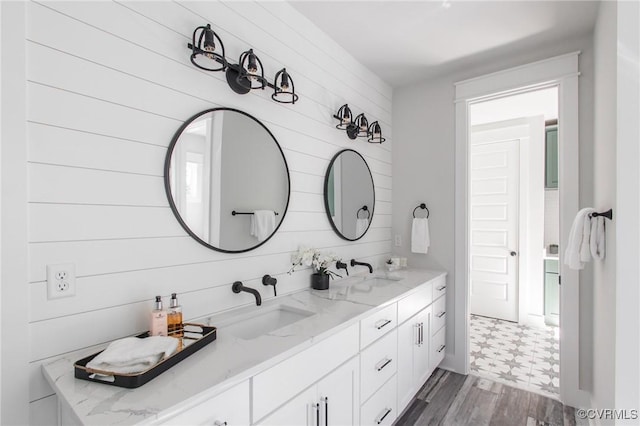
x: 158, y: 325
x: 174, y: 318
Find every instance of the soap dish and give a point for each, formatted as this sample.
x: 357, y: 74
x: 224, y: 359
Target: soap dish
x: 196, y: 337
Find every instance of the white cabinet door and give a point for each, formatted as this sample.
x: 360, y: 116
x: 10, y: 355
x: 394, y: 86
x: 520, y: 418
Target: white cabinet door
x: 332, y: 401
x: 421, y: 364
x: 230, y: 408
x: 413, y: 355
x: 407, y: 339
x: 303, y: 410
x: 338, y: 396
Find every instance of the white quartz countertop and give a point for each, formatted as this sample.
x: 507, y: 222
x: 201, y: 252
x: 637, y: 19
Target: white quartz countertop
x: 228, y: 360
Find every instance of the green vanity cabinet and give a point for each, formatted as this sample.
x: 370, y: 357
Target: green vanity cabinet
x: 551, y: 292
x: 551, y: 157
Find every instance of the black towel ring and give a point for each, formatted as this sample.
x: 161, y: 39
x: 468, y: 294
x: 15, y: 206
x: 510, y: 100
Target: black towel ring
x: 421, y: 206
x: 363, y: 209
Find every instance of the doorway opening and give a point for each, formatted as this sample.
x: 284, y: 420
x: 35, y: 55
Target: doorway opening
x: 514, y: 239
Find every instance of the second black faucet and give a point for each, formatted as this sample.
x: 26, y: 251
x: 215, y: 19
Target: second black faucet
x: 368, y: 265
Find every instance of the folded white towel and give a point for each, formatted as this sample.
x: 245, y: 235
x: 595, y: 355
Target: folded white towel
x: 420, y: 240
x: 585, y: 249
x: 263, y: 223
x: 361, y: 226
x: 574, y: 250
x: 597, y: 238
x: 133, y: 354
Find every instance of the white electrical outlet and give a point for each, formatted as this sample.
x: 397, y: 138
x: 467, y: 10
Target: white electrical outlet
x: 61, y: 280
x: 398, y: 240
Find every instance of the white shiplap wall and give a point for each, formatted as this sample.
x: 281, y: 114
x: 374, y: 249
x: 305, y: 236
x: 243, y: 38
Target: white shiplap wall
x: 108, y: 84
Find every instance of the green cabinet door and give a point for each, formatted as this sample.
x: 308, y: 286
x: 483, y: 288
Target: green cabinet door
x: 551, y: 292
x: 551, y: 157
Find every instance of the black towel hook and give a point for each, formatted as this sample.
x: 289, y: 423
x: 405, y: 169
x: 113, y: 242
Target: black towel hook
x: 608, y: 214
x: 422, y: 206
x: 363, y: 209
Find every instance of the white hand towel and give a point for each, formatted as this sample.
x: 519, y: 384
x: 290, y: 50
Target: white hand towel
x: 263, y: 223
x: 597, y: 238
x: 361, y: 227
x: 133, y: 354
x: 585, y: 249
x: 572, y: 253
x: 420, y: 240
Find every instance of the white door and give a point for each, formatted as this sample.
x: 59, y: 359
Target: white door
x: 494, y: 198
x: 338, y: 398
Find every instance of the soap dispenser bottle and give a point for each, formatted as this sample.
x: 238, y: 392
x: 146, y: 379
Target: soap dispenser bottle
x: 158, y: 326
x: 174, y: 318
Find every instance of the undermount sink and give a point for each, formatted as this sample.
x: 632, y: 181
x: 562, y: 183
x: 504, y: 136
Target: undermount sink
x: 263, y: 320
x: 380, y: 280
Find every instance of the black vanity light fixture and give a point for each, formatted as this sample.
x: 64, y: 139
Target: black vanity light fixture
x: 375, y: 133
x: 358, y: 127
x: 246, y: 75
x: 207, y: 53
x: 345, y: 117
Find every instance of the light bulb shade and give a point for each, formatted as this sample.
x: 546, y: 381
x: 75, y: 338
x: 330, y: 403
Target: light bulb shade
x: 284, y: 90
x: 345, y: 117
x: 375, y: 133
x: 362, y: 124
x: 251, y: 73
x: 207, y: 50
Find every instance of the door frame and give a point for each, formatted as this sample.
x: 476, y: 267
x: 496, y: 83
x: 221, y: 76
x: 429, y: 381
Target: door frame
x: 562, y: 72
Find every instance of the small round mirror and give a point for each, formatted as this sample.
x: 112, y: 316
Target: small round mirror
x: 227, y: 180
x: 349, y: 195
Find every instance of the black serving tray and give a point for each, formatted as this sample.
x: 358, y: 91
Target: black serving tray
x: 196, y: 337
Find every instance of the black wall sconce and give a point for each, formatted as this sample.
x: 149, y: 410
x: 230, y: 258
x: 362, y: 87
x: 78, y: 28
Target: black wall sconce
x: 359, y: 127
x: 207, y: 53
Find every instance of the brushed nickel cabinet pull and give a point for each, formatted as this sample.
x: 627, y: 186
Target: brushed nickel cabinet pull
x: 317, y: 408
x: 383, y: 416
x: 441, y: 314
x: 418, y: 334
x: 386, y: 362
x: 441, y: 348
x: 441, y: 288
x: 219, y: 423
x: 384, y: 323
x: 326, y: 411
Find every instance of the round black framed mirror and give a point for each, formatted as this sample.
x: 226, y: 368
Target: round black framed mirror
x: 227, y: 180
x: 349, y: 195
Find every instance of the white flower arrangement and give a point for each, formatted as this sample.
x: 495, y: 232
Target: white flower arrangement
x: 318, y: 260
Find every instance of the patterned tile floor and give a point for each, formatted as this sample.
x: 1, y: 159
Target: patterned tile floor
x: 516, y: 355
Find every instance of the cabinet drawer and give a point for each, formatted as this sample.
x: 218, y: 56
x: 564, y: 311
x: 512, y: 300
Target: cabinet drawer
x: 302, y: 370
x: 439, y: 287
x: 439, y: 314
x: 411, y: 305
x: 438, y: 347
x: 378, y: 324
x: 378, y: 363
x: 381, y: 408
x: 229, y: 408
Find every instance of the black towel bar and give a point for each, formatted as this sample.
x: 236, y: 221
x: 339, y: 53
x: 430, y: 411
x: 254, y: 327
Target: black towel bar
x: 233, y: 213
x: 608, y: 214
x: 363, y: 209
x: 422, y: 206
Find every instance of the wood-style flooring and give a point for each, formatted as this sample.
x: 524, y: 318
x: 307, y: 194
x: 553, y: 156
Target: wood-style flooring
x: 452, y: 399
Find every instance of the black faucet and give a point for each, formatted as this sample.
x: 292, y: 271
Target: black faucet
x: 237, y: 287
x: 341, y: 265
x: 269, y: 280
x: 355, y: 262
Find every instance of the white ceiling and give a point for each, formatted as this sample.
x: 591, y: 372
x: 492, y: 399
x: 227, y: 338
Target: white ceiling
x: 406, y: 41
